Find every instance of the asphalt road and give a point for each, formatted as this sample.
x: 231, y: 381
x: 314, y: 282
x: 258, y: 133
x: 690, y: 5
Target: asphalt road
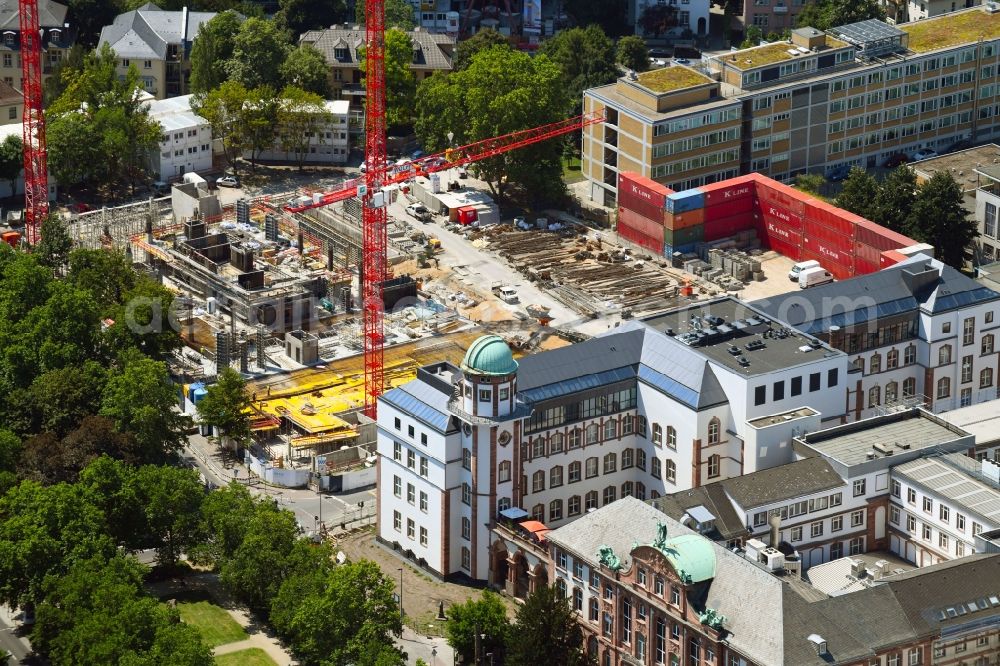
x: 10, y: 642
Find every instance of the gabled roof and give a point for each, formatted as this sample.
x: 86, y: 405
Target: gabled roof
x: 50, y: 15
x: 920, y: 283
x: 431, y: 50
x: 784, y: 482
x: 145, y: 32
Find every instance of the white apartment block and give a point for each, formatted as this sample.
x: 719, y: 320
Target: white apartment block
x: 186, y: 144
x: 329, y: 143
x: 651, y: 408
x: 918, y: 332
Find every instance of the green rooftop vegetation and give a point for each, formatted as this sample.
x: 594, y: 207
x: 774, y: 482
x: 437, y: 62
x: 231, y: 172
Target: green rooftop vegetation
x: 672, y: 78
x: 758, y: 56
x: 951, y: 30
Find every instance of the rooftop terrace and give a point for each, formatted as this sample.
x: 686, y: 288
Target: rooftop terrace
x: 940, y: 32
x: 669, y: 79
x: 758, y: 56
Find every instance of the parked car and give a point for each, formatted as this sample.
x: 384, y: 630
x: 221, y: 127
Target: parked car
x: 463, y: 172
x: 417, y: 154
x: 419, y: 211
x: 924, y: 154
x: 895, y: 160
x: 161, y: 188
x: 681, y: 61
x: 659, y: 53
x: 839, y: 172
x: 227, y: 181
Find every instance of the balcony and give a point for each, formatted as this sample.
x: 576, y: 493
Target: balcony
x: 780, y: 9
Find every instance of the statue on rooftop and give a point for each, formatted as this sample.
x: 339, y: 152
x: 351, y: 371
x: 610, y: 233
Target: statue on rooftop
x: 712, y: 618
x: 606, y: 556
x: 660, y: 542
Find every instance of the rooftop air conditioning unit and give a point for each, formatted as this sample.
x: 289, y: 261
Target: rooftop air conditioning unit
x: 773, y: 559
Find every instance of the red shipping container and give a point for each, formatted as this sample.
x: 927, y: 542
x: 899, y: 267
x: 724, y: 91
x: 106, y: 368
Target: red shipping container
x: 891, y: 258
x: 678, y: 221
x: 816, y: 234
x: 862, y: 267
x: 640, y: 230
x: 772, y: 212
x: 782, y: 248
x: 641, y: 206
x: 839, y: 269
x: 782, y: 233
x: 866, y: 252
x: 827, y: 254
x: 879, y: 237
x: 838, y: 219
x: 643, y: 188
x: 724, y: 209
x: 774, y: 192
x: 726, y: 191
x: 728, y: 226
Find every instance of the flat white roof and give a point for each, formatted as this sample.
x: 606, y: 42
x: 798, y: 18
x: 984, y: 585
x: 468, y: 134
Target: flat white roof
x: 982, y: 420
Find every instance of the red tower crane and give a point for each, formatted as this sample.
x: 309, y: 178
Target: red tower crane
x: 374, y: 263
x: 36, y: 174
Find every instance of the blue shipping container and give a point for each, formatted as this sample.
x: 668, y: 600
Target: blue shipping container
x: 682, y: 202
x: 669, y: 250
x: 195, y: 388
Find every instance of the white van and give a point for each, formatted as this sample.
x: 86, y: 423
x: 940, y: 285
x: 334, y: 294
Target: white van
x: 793, y: 274
x: 815, y: 276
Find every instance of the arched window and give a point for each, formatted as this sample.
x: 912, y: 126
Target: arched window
x: 574, y: 471
x: 590, y: 501
x: 986, y: 378
x: 503, y: 472
x: 538, y: 448
x: 944, y: 387
x: 944, y: 355
x: 592, y: 469
x: 657, y: 434
x: 538, y: 513
x: 561, y: 588
x: 627, y: 458
x: 555, y: 510
x: 610, y: 463
x: 627, y: 489
x: 714, y: 429
x: 910, y: 355
x: 538, y: 481
x: 876, y: 364
x: 671, y: 471
x: 574, y: 438
x: 640, y: 490
x: 573, y: 506
x: 891, y: 392
x: 592, y: 433
x: 671, y: 437
x: 610, y: 429
x: 874, y: 396
x: 891, y: 359
x: 714, y: 466
x: 555, y: 476
x: 556, y: 442
x: 640, y: 459
x: 609, y: 495
x: 654, y: 468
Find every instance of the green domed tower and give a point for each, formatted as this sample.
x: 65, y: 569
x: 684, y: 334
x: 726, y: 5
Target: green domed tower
x: 490, y: 377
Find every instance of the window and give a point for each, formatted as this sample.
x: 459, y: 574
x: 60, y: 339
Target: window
x: 397, y: 451
x: 675, y: 595
x: 640, y: 428
x: 594, y: 610
x: 944, y: 355
x: 538, y: 481
x: 466, y: 529
x: 609, y: 495
x: 556, y: 442
x: 911, y: 524
x: 411, y: 528
x: 466, y: 459
x: 608, y: 625
x: 831, y: 378
x: 986, y: 378
x: 814, y: 382
x: 910, y: 355
x: 986, y: 347
x: 874, y: 397
x: 657, y: 434
x: 538, y: 448
x: 411, y: 493
x: 538, y: 512
x: 591, y: 467
x: 837, y: 523
x: 628, y: 458
x: 857, y: 546
x: 714, y: 464
x: 714, y: 427
x: 925, y: 531
x: 556, y: 476
x: 574, y: 438
x: 891, y: 392
x: 627, y: 489
x: 411, y: 459
x: 944, y: 513
x: 423, y: 466
x: 857, y: 518
x: 573, y: 506
x: 816, y: 529
x: 859, y: 487
x: 779, y: 390
x: 466, y: 559
x: 911, y: 495
x: 759, y: 396
x: 928, y: 505
x: 610, y: 429
x: 909, y: 387
x: 894, y: 514
x: 590, y: 501
x: 943, y: 387
x: 610, y: 463
x: 423, y: 438
x: 627, y: 425
x: 654, y: 468
x: 574, y: 472
x: 968, y: 330
x: 876, y: 364
x: 671, y: 471
x: 397, y: 486
x: 398, y: 424
x: 423, y: 501
x: 591, y: 433
x: 555, y: 510
x: 466, y: 494
x: 796, y: 386
x: 503, y: 471
x: 640, y: 459
x: 966, y: 369
x: 894, y: 488
x: 577, y: 599
x: 796, y: 534
x: 671, y: 437
x: 397, y: 521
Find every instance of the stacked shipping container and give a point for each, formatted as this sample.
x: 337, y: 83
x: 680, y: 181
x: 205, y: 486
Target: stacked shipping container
x: 789, y: 221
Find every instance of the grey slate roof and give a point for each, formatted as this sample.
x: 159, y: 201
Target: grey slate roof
x: 145, y: 33
x: 920, y: 283
x: 589, y: 357
x: 784, y: 482
x: 50, y: 15
x: 432, y: 50
x: 728, y: 523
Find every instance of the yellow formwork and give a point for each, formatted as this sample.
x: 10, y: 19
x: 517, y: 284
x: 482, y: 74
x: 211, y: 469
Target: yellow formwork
x: 313, y: 398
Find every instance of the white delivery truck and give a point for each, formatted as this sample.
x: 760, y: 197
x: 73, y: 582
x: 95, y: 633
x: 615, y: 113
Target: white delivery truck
x: 793, y: 274
x: 812, y: 277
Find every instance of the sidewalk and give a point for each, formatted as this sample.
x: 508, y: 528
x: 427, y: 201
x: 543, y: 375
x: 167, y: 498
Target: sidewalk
x: 435, y: 651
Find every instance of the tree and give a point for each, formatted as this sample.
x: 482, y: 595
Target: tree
x: 481, y: 41
x: 11, y: 161
x: 658, y: 19
x: 65, y: 330
x: 223, y: 109
x: 300, y: 115
x: 810, y: 182
x: 631, y: 53
x: 89, y: 16
x: 859, y: 193
x: 48, y: 458
x: 306, y: 68
x: 299, y: 16
x: 225, y: 515
x: 938, y: 218
x: 107, y: 274
x: 55, y: 84
x: 826, y: 14
x: 486, y: 615
x: 586, y: 57
x: 144, y: 320
x: 225, y: 405
x: 259, y: 49
x: 140, y: 398
x: 398, y: 14
x: 350, y: 619
x: 896, y: 196
x: 752, y: 38
x: 171, y: 501
x: 259, y: 118
x: 212, y: 49
x: 502, y: 91
x: 400, y: 82
x: 99, y: 130
x: 546, y: 632
x: 65, y: 396
x: 256, y: 569
x: 54, y: 247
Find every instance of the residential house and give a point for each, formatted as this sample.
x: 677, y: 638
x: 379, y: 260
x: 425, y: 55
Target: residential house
x: 57, y: 39
x: 11, y: 105
x: 186, y: 144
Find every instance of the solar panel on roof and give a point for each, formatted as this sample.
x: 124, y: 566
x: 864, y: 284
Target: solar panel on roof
x: 669, y: 386
x: 419, y: 409
x: 578, y: 384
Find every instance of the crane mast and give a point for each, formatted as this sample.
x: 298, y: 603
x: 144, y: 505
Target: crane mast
x: 36, y: 175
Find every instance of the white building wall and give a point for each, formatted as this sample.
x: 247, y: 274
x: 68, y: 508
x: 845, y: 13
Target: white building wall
x: 183, y: 150
x: 696, y: 12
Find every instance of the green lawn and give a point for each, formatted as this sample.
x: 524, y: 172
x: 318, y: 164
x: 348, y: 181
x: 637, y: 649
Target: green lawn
x: 251, y: 657
x: 213, y: 623
x: 572, y: 172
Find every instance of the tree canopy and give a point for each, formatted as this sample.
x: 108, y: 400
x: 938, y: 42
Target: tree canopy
x: 481, y: 41
x: 259, y: 50
x: 212, y: 49
x: 894, y: 202
x: 298, y: 16
x: 859, y: 193
x: 547, y: 632
x: 398, y: 14
x: 586, y: 57
x: 485, y: 615
x: 224, y: 406
x: 11, y: 160
x: 306, y: 68
x: 400, y: 82
x: 938, y: 218
x: 631, y: 52
x: 826, y: 14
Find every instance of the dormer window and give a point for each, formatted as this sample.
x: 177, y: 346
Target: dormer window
x: 416, y: 54
x: 8, y: 38
x: 340, y: 53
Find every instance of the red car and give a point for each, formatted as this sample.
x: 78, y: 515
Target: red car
x: 895, y: 160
